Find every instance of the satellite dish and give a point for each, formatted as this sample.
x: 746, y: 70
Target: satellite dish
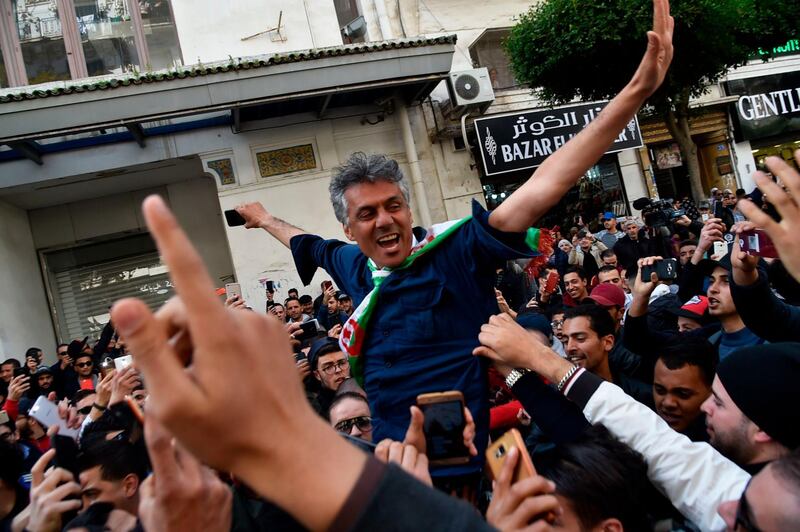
x: 467, y: 87
x: 355, y: 28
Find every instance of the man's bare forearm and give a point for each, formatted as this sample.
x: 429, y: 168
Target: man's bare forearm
x: 280, y: 229
x: 561, y: 171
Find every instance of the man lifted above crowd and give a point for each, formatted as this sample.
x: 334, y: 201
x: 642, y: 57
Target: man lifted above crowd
x: 402, y: 335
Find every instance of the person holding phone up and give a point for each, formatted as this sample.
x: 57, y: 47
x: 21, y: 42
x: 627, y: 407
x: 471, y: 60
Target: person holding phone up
x: 409, y: 286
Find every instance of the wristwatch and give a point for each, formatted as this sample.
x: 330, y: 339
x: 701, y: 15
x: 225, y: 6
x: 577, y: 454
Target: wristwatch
x: 515, y: 375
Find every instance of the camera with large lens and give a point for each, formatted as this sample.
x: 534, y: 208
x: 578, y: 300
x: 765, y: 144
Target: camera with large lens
x: 658, y: 213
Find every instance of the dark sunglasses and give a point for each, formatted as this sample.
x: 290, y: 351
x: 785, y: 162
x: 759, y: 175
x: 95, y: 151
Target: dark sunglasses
x: 83, y: 364
x: 85, y: 410
x: 364, y: 423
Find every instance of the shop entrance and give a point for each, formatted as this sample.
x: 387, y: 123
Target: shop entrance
x: 598, y: 191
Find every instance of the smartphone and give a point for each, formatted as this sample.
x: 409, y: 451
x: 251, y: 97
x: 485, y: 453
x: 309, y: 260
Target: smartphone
x: 46, y: 413
x: 309, y: 330
x: 233, y: 218
x: 123, y: 362
x: 497, y: 452
x: 444, y: 427
x: 757, y: 242
x: 551, y: 282
x: 364, y: 445
x: 19, y: 371
x: 270, y: 286
x: 720, y: 249
x: 270, y: 304
x: 233, y: 290
x: 66, y: 453
x: 326, y: 285
x: 299, y: 357
x: 665, y: 270
x: 67, y: 458
x: 106, y: 367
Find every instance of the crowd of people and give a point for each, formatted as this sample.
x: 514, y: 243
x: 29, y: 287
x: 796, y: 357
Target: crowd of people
x: 649, y: 364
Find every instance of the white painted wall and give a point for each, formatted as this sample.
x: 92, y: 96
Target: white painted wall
x: 194, y: 203
x: 24, y: 317
x: 745, y: 165
x: 632, y: 177
x: 211, y: 30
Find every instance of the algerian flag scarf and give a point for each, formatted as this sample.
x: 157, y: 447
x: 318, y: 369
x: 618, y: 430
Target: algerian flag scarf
x: 354, y: 331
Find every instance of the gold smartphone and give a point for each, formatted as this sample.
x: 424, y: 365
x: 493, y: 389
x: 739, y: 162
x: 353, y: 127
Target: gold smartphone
x: 444, y: 427
x: 497, y: 453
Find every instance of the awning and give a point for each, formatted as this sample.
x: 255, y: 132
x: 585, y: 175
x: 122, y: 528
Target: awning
x: 262, y: 86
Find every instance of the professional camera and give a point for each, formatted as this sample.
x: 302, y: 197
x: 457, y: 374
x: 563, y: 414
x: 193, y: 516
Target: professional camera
x: 658, y: 213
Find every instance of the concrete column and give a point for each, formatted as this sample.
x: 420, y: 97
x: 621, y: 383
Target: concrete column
x: 632, y: 178
x: 413, y: 162
x: 383, y: 20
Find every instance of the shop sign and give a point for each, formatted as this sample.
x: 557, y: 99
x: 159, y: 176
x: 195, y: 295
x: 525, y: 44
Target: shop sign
x: 518, y: 141
x: 768, y: 106
x: 791, y: 47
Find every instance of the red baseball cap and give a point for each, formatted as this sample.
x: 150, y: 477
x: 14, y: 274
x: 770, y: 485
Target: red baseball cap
x: 608, y: 295
x: 695, y: 309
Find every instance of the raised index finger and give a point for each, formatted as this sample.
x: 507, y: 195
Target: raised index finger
x: 192, y: 283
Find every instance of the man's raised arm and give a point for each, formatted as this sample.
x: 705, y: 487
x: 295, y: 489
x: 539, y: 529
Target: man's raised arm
x: 256, y: 216
x: 561, y: 170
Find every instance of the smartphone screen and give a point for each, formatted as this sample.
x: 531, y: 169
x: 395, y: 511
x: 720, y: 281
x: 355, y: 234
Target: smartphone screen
x: 757, y: 243
x: 233, y: 290
x: 309, y: 328
x: 233, y: 218
x: 444, y: 430
x: 270, y: 286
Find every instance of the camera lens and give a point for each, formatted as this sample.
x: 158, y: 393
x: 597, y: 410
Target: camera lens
x: 500, y: 452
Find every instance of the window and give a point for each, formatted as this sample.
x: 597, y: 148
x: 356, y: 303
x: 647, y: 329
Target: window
x: 84, y: 281
x: 160, y: 34
x: 41, y: 40
x: 487, y: 51
x: 347, y: 14
x: 104, y: 37
x: 3, y: 74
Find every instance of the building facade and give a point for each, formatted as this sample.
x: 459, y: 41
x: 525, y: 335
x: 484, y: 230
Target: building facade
x: 211, y: 105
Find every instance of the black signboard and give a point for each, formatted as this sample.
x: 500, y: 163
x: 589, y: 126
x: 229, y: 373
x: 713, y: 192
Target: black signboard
x: 768, y: 106
x: 517, y: 141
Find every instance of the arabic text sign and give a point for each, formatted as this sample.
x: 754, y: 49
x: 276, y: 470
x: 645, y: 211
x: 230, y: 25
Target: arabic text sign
x: 517, y: 141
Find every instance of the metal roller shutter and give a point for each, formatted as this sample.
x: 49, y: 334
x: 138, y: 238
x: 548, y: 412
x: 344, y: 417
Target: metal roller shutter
x: 83, y: 294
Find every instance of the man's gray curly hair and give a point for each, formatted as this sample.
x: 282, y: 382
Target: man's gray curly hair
x: 363, y: 168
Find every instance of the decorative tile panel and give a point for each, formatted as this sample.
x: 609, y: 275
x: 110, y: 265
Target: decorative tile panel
x: 286, y: 160
x: 224, y: 169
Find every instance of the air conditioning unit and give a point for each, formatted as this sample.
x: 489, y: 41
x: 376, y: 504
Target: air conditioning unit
x: 469, y: 89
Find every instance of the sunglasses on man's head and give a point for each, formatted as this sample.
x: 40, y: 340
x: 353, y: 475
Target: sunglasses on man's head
x: 364, y: 424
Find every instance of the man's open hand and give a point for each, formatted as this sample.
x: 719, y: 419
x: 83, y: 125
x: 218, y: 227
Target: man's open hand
x: 783, y: 233
x: 655, y: 63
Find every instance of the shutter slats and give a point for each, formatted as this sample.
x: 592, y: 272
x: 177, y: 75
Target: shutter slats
x: 83, y: 294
